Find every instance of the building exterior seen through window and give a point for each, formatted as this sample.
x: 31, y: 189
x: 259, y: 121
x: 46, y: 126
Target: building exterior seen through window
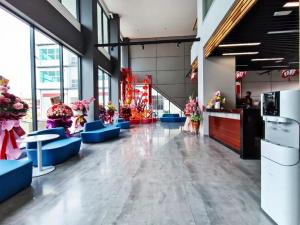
x: 50, y: 79
x: 104, y: 90
x: 103, y: 26
x: 71, y: 6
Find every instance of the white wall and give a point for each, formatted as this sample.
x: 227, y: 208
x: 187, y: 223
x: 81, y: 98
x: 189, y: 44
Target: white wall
x: 273, y: 81
x: 206, y: 28
x: 168, y: 65
x: 220, y: 76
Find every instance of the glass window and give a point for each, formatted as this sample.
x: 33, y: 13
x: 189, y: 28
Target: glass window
x: 162, y: 105
x: 15, y: 60
x: 100, y: 87
x: 99, y: 23
x: 104, y: 80
x: 106, y: 88
x: 103, y: 26
x: 71, y: 76
x: 174, y: 109
x: 48, y: 75
x: 206, y: 5
x: 71, y: 6
x: 105, y: 31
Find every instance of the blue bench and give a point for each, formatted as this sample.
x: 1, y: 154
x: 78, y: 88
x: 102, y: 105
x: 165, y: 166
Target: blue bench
x: 123, y: 125
x: 169, y: 118
x: 95, y: 132
x: 15, y: 176
x: 54, y: 151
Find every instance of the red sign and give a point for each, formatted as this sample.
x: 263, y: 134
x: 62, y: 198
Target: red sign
x: 240, y: 75
x: 288, y: 74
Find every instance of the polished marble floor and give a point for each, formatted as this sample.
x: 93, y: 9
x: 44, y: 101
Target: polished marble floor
x: 152, y: 175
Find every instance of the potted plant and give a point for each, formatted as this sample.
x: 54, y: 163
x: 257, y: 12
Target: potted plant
x: 195, y: 120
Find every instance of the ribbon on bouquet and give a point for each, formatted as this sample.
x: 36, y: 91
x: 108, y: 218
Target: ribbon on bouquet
x: 66, y: 123
x: 79, y: 121
x: 10, y: 130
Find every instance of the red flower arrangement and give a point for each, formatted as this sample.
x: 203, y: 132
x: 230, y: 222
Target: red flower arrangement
x: 59, y: 115
x: 81, y: 107
x: 12, y: 109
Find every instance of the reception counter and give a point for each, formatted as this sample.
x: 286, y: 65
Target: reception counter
x: 238, y: 129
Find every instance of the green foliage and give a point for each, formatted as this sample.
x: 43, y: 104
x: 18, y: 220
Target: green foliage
x: 196, y: 118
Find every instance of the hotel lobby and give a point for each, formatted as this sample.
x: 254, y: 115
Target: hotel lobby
x: 149, y: 112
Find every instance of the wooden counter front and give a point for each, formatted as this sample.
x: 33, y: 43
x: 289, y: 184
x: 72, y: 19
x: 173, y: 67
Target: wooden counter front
x: 226, y: 131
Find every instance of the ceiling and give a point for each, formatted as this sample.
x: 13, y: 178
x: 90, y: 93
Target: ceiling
x: 254, y: 27
x: 154, y: 18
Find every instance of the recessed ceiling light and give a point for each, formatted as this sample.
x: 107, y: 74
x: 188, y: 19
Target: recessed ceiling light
x: 293, y: 62
x: 267, y: 59
x: 239, y: 44
x: 241, y: 53
x: 283, y: 32
x: 281, y: 66
x: 283, y: 13
x: 291, y: 4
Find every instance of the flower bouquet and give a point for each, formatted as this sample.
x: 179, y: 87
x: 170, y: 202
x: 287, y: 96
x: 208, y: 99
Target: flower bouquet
x: 110, y: 112
x: 12, y: 109
x: 81, y: 108
x: 194, y: 116
x: 102, y: 113
x: 59, y: 115
x: 125, y: 112
x: 217, y: 101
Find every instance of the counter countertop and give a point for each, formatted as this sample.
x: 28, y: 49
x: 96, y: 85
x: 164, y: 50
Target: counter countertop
x: 235, y: 111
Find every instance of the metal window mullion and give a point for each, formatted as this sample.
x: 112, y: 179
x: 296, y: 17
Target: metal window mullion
x: 61, y: 68
x: 33, y: 79
x: 79, y: 78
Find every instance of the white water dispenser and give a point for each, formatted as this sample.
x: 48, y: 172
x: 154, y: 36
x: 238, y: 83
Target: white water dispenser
x: 280, y: 166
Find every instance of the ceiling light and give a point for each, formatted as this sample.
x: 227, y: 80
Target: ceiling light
x: 283, y: 32
x: 293, y: 62
x: 281, y: 66
x: 267, y: 59
x: 283, y: 13
x: 241, y: 53
x: 239, y: 44
x: 291, y: 4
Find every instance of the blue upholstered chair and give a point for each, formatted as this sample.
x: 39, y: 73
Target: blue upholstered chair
x: 123, y: 124
x: 54, y: 151
x: 169, y: 118
x: 95, y: 132
x: 15, y: 176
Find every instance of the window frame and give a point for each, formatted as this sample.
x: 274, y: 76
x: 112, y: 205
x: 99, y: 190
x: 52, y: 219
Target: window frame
x: 104, y: 73
x: 77, y: 9
x: 103, y: 13
x: 33, y: 66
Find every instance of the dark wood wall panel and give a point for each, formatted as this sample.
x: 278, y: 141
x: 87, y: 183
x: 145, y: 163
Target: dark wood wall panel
x: 226, y: 131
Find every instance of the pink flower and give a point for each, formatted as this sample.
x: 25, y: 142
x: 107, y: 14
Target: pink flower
x: 18, y: 106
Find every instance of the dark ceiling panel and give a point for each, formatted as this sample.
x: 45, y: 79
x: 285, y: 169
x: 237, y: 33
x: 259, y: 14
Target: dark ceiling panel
x: 254, y: 28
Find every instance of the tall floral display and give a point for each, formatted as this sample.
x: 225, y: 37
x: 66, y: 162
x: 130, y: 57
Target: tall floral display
x: 193, y: 114
x: 136, y: 96
x: 59, y: 115
x: 110, y: 112
x: 81, y: 108
x: 12, y: 109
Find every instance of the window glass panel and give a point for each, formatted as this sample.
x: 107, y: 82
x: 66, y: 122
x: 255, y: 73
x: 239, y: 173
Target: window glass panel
x: 48, y: 75
x: 106, y: 88
x: 206, y: 6
x: 100, y: 87
x: 105, y: 31
x: 71, y: 72
x: 71, y: 6
x: 99, y: 23
x: 15, y: 60
x: 174, y: 109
